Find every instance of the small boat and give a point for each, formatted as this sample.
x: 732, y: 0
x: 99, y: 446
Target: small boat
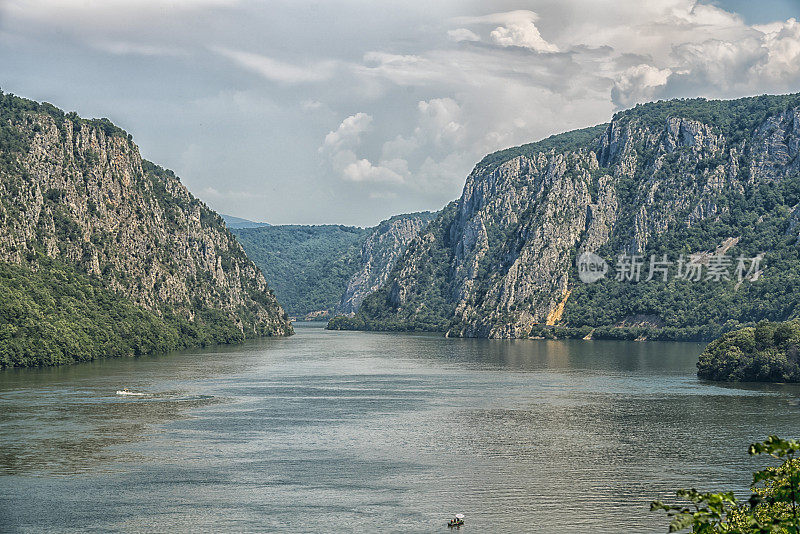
x: 457, y: 521
x: 126, y: 391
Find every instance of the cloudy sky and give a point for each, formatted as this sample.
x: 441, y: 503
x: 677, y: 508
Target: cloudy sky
x: 348, y: 111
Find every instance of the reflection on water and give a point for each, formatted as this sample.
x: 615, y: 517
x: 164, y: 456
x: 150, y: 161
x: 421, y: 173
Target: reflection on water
x: 344, y: 431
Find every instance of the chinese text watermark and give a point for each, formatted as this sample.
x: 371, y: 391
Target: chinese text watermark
x: 692, y: 267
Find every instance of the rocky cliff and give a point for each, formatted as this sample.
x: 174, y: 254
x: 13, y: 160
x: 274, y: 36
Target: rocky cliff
x: 77, y: 191
x: 673, y: 178
x: 383, y: 246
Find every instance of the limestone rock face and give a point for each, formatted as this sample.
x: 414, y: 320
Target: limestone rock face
x: 541, y: 204
x: 380, y: 252
x: 504, y: 251
x: 79, y: 191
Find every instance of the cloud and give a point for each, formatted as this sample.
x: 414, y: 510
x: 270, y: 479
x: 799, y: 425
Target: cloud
x: 363, y: 171
x: 516, y: 86
x: 524, y: 34
x: 214, y: 194
x: 348, y: 133
x: 351, y: 168
x: 410, y: 160
x: 517, y: 28
x: 248, y: 90
x: 122, y: 48
x: 462, y: 34
x: 399, y: 69
x: 400, y: 147
x: 782, y: 42
x: 278, y: 71
x: 111, y: 18
x: 439, y: 122
x: 311, y: 105
x: 638, y: 83
x: 339, y: 146
x: 46, y: 8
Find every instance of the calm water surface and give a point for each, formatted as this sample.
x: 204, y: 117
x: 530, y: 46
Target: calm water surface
x: 348, y: 431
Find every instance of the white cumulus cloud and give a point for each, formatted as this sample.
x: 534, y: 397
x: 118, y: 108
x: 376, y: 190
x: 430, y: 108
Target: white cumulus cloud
x: 363, y: 171
x: 349, y: 132
x: 340, y: 144
x: 517, y: 28
x: 638, y: 83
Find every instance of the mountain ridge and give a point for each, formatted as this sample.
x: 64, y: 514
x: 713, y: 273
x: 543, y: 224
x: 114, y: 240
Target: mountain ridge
x: 676, y: 177
x: 237, y: 222
x: 75, y: 194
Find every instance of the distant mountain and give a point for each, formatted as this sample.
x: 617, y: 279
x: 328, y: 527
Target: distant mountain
x: 236, y: 222
x: 675, y: 178
x: 308, y: 266
x: 105, y: 254
x: 321, y: 270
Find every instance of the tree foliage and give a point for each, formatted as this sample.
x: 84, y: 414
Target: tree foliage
x: 56, y: 315
x: 307, y: 266
x: 772, y: 507
x: 766, y: 352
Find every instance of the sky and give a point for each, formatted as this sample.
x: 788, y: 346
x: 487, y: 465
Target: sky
x: 348, y: 112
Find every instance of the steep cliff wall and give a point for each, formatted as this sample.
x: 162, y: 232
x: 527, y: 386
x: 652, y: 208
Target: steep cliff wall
x: 672, y: 178
x: 78, y: 192
x: 383, y: 246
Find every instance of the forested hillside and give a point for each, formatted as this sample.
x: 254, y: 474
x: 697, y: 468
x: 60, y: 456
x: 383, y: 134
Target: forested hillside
x: 766, y: 352
x: 105, y: 254
x: 308, y: 266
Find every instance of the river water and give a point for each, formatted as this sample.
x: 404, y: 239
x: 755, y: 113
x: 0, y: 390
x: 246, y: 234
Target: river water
x: 355, y: 432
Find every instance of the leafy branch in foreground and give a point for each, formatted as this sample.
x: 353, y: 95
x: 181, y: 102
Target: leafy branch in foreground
x: 772, y: 508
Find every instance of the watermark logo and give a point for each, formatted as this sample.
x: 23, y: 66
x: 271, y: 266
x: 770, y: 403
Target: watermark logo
x: 591, y: 267
x: 692, y: 267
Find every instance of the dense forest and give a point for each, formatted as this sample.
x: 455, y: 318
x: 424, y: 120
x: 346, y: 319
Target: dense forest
x: 56, y: 315
x: 766, y: 352
x: 326, y: 269
x: 307, y: 266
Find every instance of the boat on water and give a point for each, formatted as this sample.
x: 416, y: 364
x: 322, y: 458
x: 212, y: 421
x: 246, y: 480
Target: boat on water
x: 126, y: 391
x: 457, y: 521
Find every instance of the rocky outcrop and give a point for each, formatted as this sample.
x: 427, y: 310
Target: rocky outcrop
x: 78, y: 191
x: 505, y: 250
x: 381, y: 249
x: 544, y: 201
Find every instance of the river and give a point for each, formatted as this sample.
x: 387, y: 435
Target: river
x: 353, y: 431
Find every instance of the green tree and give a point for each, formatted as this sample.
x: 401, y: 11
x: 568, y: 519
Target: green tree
x: 772, y: 507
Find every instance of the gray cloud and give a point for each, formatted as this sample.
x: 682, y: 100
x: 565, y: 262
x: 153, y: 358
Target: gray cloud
x: 278, y: 71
